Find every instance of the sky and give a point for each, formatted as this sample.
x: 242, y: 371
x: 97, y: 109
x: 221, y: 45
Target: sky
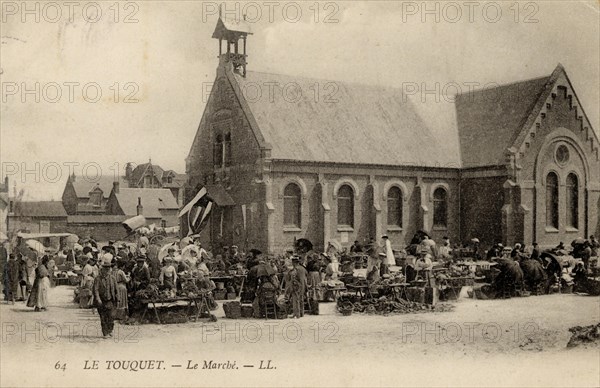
x: 93, y: 86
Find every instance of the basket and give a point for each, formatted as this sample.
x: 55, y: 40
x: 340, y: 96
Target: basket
x: 220, y: 295
x: 247, y: 311
x: 233, y: 310
x: 346, y: 312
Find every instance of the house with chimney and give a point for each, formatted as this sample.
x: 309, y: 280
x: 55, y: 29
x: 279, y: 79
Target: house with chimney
x: 158, y: 206
x: 152, y: 176
x: 84, y: 195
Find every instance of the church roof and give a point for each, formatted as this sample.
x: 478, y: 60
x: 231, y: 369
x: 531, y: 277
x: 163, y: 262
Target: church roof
x: 340, y: 122
x: 489, y: 120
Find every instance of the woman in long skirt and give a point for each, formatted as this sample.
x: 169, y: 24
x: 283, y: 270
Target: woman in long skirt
x: 122, y: 312
x: 314, y: 279
x: 39, y: 293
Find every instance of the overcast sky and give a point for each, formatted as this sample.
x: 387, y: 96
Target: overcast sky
x: 164, y: 59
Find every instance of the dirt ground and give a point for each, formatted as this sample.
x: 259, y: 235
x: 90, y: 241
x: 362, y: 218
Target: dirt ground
x: 515, y: 342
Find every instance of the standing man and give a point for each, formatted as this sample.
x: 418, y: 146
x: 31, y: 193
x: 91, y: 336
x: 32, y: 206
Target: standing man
x: 295, y: 287
x: 106, y: 296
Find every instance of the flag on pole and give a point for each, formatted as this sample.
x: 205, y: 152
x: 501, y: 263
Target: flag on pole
x: 197, y: 211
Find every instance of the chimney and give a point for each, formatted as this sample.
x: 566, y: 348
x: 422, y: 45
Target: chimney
x: 128, y: 171
x: 116, y: 187
x: 140, y: 208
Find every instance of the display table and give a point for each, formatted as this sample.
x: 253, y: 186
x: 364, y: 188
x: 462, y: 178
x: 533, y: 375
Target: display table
x: 200, y: 303
x: 360, y: 290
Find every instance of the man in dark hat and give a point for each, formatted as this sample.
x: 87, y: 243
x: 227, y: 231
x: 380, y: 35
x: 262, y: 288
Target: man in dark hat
x: 106, y: 296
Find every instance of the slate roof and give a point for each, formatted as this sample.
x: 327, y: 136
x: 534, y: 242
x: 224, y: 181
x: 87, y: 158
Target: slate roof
x: 41, y: 209
x: 153, y: 200
x: 226, y: 26
x: 489, y: 120
x: 83, y: 186
x: 359, y: 124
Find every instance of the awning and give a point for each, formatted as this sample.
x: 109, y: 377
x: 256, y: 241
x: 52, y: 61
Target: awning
x: 219, y: 195
x: 42, y: 235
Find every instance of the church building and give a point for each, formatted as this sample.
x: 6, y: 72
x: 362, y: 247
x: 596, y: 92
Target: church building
x: 356, y: 162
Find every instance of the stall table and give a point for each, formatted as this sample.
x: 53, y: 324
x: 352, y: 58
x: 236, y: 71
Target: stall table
x: 360, y: 290
x: 200, y: 302
x: 227, y: 280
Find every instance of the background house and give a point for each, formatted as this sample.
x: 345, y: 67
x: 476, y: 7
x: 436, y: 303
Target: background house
x: 151, y: 176
x: 38, y: 217
x: 158, y: 206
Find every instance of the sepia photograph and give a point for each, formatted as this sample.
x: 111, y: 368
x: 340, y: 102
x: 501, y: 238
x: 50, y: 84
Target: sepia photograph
x: 299, y: 193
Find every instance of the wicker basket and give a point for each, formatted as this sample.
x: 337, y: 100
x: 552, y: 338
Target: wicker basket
x: 233, y: 310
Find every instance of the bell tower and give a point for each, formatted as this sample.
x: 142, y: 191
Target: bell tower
x: 231, y: 31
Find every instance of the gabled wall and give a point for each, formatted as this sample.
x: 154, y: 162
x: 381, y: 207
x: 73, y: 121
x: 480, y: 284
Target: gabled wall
x: 242, y: 179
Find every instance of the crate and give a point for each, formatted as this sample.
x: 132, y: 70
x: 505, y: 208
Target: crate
x: 220, y: 295
x: 231, y: 295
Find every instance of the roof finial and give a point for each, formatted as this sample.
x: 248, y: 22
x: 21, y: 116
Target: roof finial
x: 220, y: 10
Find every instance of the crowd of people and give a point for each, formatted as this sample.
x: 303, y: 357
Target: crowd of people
x: 109, y: 275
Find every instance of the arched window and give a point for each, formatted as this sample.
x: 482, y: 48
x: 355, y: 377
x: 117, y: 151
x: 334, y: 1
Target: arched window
x: 227, y: 150
x: 394, y: 207
x: 552, y: 200
x: 440, y: 208
x: 292, y: 206
x: 218, y: 152
x: 345, y: 200
x: 572, y: 201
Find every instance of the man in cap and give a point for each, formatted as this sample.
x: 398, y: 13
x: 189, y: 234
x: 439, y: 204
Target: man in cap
x: 295, y: 287
x: 168, y: 275
x: 106, y: 296
x: 424, y: 265
x: 140, y: 275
